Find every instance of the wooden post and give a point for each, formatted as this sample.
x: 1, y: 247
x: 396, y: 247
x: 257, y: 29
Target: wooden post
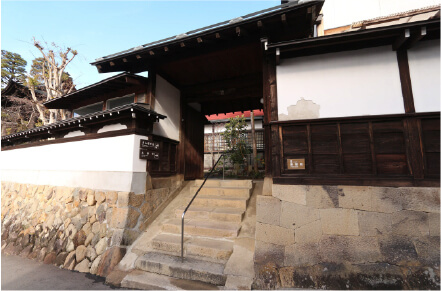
x: 212, y: 145
x: 253, y: 134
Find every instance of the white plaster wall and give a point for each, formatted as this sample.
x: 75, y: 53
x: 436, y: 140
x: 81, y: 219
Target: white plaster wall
x: 424, y: 66
x: 353, y: 83
x: 167, y: 102
x: 107, y: 163
x: 338, y: 13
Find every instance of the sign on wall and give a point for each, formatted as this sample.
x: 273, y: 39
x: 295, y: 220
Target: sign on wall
x: 296, y: 164
x: 149, y: 150
x: 149, y: 144
x: 148, y: 155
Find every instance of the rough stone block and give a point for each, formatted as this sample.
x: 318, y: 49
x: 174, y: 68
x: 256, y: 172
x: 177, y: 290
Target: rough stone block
x: 111, y: 198
x: 298, y: 255
x: 398, y: 250
x: 374, y: 223
x: 101, y: 246
x: 123, y: 199
x: 109, y: 260
x: 268, y: 210
x: 309, y: 233
x: 132, y: 218
x: 321, y: 196
x: 290, y: 193
x: 410, y: 223
x: 387, y: 200
x: 274, y: 234
x: 80, y: 253
x: 118, y: 218
x: 268, y: 253
x: 100, y: 197
x: 355, y: 197
x: 94, y: 266
x: 83, y: 266
x: 294, y: 215
x: 434, y: 224
x: 339, y: 221
x: 352, y: 249
x: 421, y: 199
x: 70, y: 261
x: 428, y: 249
x: 135, y: 200
x: 91, y: 197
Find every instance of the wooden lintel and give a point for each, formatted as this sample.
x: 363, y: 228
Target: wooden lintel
x: 125, y: 60
x: 401, y: 40
x: 199, y: 40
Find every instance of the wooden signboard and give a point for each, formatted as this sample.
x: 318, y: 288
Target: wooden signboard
x: 148, y: 154
x: 296, y: 164
x: 149, y: 144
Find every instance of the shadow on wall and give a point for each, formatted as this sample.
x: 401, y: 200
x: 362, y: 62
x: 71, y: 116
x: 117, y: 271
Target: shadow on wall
x: 304, y: 109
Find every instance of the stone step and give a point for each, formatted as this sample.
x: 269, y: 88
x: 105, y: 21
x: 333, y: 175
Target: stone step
x: 195, y: 247
x: 213, y: 213
x: 207, y: 228
x: 222, y: 191
x: 225, y: 183
x: 190, y: 269
x: 221, y: 201
x: 142, y: 280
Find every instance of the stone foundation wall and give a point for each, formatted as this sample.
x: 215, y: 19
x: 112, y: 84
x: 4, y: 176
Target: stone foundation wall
x: 347, y: 237
x: 78, y: 229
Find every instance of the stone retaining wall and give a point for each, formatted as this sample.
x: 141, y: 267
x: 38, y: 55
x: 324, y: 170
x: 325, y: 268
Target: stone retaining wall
x: 78, y: 229
x: 347, y: 237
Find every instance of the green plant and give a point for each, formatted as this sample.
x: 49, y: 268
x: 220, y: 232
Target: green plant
x: 235, y: 138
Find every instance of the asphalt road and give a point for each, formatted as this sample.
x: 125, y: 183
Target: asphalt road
x: 25, y: 274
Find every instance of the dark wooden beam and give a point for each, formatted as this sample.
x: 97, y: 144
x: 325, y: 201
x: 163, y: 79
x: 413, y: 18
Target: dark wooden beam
x: 151, y: 89
x: 238, y: 94
x: 416, y: 36
x: 406, y: 82
x: 401, y: 39
x: 236, y: 82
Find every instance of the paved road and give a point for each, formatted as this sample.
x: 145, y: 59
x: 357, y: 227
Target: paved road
x: 25, y: 274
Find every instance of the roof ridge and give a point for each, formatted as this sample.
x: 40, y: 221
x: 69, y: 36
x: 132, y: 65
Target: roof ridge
x: 397, y: 15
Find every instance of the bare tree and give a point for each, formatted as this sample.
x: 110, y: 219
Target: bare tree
x: 53, y: 68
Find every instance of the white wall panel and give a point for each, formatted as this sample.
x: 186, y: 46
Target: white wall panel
x: 352, y: 83
x: 424, y: 66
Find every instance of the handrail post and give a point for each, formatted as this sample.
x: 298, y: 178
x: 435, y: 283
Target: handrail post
x: 223, y: 169
x: 182, y: 238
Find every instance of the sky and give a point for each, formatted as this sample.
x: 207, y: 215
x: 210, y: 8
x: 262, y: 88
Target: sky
x: 99, y: 28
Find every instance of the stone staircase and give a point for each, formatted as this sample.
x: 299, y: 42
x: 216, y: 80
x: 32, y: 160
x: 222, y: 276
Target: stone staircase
x: 211, y: 224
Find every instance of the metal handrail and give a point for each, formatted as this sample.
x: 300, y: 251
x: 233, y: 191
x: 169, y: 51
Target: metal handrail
x: 191, y: 201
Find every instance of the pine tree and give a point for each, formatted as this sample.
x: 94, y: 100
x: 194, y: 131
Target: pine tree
x: 13, y: 67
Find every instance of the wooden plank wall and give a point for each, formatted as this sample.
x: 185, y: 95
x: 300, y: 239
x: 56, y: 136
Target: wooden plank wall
x: 398, y: 150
